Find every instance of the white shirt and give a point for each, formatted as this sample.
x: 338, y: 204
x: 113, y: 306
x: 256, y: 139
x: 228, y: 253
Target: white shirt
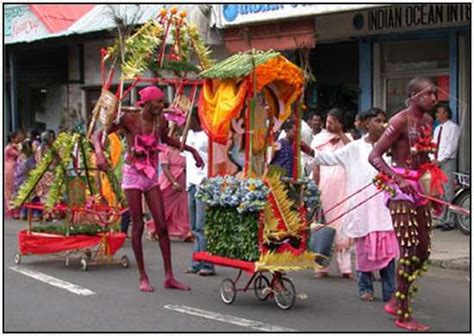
x: 448, y: 146
x: 371, y: 216
x: 200, y: 142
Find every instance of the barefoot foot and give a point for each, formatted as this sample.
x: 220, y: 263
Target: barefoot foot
x: 391, y: 307
x: 145, y: 286
x: 411, y: 325
x: 172, y: 283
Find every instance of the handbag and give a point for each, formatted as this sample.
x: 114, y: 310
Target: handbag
x: 321, y: 244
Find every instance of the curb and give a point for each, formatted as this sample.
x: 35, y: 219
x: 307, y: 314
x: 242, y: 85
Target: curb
x: 459, y: 264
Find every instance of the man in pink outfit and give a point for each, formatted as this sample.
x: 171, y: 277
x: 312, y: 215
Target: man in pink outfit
x: 145, y: 133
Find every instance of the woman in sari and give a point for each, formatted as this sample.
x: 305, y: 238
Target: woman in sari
x: 331, y: 182
x: 12, y: 152
x: 172, y: 182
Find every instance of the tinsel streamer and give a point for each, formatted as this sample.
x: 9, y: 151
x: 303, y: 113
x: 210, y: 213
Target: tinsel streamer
x: 64, y: 146
x: 285, y: 261
x: 84, y: 161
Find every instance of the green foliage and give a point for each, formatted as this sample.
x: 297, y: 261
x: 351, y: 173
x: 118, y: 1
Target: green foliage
x: 239, y: 65
x: 89, y: 229
x: 230, y: 234
x: 64, y: 146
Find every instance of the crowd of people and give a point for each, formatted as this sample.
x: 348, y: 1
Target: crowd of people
x: 21, y: 155
x: 341, y: 163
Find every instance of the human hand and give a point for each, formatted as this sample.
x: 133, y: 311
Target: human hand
x: 436, y: 162
x: 405, y: 186
x: 176, y: 186
x: 198, y: 159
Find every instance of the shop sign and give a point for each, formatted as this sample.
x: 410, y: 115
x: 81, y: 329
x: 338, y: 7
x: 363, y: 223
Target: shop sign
x: 21, y: 24
x: 237, y: 14
x: 417, y: 16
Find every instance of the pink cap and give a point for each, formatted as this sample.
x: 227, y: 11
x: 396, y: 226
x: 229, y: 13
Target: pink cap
x: 150, y: 93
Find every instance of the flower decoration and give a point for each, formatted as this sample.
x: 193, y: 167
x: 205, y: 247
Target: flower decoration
x: 248, y: 195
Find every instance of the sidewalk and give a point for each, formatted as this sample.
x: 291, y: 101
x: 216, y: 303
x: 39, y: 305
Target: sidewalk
x: 450, y: 249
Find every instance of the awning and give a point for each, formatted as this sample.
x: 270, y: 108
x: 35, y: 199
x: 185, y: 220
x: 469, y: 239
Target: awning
x: 60, y: 17
x: 279, y: 35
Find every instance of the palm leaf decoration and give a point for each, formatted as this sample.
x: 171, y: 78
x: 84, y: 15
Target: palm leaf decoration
x: 239, y: 65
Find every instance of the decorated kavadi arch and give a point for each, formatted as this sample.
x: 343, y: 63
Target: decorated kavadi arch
x: 255, y: 219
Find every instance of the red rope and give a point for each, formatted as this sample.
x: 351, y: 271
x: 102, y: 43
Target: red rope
x: 452, y: 206
x: 125, y: 94
x: 353, y: 208
x: 344, y: 200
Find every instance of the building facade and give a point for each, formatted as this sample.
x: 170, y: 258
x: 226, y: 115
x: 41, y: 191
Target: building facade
x: 54, y: 78
x: 364, y: 55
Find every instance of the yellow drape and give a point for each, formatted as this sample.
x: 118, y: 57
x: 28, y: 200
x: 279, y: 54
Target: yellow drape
x: 220, y: 102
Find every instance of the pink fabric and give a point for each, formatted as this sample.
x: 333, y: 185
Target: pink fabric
x: 375, y: 250
x: 11, y: 154
x: 176, y: 115
x: 177, y: 164
x: 333, y: 189
x: 174, y: 202
x: 145, y: 154
x: 413, y: 177
x: 150, y: 93
x: 133, y: 179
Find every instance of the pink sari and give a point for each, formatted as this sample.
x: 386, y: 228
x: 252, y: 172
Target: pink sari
x: 175, y: 202
x: 11, y: 154
x: 333, y: 190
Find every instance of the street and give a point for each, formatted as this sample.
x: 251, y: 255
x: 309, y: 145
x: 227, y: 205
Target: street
x: 112, y: 302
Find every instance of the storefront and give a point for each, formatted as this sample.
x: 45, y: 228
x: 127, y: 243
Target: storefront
x: 364, y: 55
x: 399, y: 42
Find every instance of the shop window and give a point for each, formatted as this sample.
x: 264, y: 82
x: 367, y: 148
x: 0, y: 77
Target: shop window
x: 401, y: 61
x: 396, y: 92
x: 413, y: 56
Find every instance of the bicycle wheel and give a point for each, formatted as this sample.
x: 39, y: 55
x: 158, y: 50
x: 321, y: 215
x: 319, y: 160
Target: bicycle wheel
x: 262, y: 287
x: 285, y: 294
x: 228, y: 291
x: 464, y: 221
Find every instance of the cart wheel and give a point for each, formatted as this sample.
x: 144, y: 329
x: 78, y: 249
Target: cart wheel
x: 124, y: 261
x: 17, y: 258
x: 285, y: 293
x: 88, y: 254
x: 84, y: 264
x: 262, y: 287
x: 228, y: 291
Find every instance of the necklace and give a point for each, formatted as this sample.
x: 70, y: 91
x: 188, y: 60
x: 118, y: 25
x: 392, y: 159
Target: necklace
x: 155, y: 122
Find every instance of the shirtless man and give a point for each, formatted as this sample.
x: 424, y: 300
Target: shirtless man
x: 144, y: 131
x: 407, y: 134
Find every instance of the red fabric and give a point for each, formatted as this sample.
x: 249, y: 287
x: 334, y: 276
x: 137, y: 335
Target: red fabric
x: 43, y: 243
x: 246, y: 266
x: 58, y: 18
x: 438, y: 177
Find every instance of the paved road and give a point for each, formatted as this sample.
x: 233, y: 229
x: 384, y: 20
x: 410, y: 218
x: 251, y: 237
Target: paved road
x: 116, y: 304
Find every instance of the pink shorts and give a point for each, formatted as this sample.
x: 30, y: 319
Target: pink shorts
x: 133, y: 179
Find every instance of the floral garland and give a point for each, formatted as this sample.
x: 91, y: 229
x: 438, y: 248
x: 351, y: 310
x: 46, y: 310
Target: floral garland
x: 279, y: 68
x: 425, y: 143
x: 382, y: 182
x: 246, y: 195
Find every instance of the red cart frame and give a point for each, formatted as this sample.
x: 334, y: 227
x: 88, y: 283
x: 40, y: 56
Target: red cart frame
x: 90, y: 250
